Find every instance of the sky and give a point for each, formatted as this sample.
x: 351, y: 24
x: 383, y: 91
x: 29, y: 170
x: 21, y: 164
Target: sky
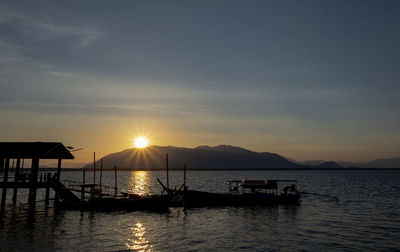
x: 305, y: 79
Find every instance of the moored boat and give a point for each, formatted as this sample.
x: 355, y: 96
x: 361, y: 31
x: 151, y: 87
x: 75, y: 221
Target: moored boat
x: 124, y: 202
x: 245, y: 193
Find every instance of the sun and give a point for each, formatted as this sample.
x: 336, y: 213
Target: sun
x: 141, y: 142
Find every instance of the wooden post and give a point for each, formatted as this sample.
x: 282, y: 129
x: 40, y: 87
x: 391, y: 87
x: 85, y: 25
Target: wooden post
x: 58, y: 177
x: 34, y: 177
x: 1, y: 165
x: 12, y: 166
x: 59, y: 169
x: 5, y: 179
x: 184, y: 173
x: 83, y: 185
x: 94, y: 168
x: 22, y: 166
x: 101, y: 172
x: 184, y: 178
x: 115, y: 180
x: 47, y: 180
x: 166, y: 160
x: 16, y: 177
x: 94, y: 176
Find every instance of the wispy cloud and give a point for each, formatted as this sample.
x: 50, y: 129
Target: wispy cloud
x: 38, y: 29
x: 65, y: 75
x: 11, y: 52
x: 42, y: 31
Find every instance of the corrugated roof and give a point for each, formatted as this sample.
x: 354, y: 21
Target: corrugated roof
x: 42, y: 150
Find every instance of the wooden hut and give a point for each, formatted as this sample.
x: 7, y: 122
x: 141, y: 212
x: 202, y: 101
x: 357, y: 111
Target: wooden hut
x: 29, y: 150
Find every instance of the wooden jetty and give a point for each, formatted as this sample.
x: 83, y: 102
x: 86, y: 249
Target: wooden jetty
x: 35, y: 151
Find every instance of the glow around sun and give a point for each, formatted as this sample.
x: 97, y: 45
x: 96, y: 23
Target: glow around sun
x: 141, y: 142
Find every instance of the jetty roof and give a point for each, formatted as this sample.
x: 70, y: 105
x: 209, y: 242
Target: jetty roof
x: 41, y: 150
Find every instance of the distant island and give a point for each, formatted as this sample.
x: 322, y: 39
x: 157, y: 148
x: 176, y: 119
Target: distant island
x: 221, y: 157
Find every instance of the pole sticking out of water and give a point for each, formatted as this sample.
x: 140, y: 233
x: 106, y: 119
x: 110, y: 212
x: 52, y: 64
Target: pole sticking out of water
x: 115, y: 180
x: 83, y: 184
x: 166, y: 159
x: 184, y: 174
x: 94, y: 168
x: 101, y: 171
x: 12, y: 167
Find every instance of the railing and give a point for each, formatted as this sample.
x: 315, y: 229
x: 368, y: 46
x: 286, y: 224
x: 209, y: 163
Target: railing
x: 89, y: 188
x: 27, y: 177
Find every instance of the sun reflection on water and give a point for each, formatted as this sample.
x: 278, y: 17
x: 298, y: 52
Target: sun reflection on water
x: 139, y: 242
x: 139, y: 182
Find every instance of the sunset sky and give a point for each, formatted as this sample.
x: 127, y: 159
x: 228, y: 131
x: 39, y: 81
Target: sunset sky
x: 305, y: 79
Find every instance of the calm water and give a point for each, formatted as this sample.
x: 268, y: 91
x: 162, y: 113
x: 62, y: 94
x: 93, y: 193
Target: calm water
x: 366, y: 217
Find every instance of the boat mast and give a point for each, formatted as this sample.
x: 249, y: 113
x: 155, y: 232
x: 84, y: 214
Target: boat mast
x: 184, y: 174
x: 94, y: 168
x: 166, y: 160
x: 83, y: 184
x: 115, y: 180
x: 101, y: 171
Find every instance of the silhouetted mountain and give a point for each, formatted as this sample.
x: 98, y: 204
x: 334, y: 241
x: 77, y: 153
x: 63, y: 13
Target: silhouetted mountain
x: 202, y: 157
x: 330, y: 165
x: 224, y: 148
x: 347, y: 164
x: 312, y: 162
x: 382, y: 163
x: 378, y: 163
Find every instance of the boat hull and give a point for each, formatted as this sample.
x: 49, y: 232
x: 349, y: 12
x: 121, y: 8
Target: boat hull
x: 199, y: 199
x: 152, y: 203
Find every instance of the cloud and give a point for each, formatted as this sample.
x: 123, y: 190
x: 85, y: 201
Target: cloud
x: 65, y: 75
x: 42, y: 31
x: 21, y: 28
x: 11, y: 52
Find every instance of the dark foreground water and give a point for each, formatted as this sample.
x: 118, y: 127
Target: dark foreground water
x: 366, y: 218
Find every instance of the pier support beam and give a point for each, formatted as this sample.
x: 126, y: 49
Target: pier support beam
x: 1, y: 165
x: 58, y: 176
x: 59, y: 169
x: 16, y: 177
x: 5, y: 179
x: 47, y: 180
x: 34, y: 177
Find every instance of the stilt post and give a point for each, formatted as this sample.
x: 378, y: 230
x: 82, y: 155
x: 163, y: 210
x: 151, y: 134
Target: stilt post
x: 34, y: 177
x: 58, y: 177
x: 5, y: 179
x: 47, y: 180
x: 16, y: 178
x: 59, y: 169
x: 1, y: 165
x: 12, y: 166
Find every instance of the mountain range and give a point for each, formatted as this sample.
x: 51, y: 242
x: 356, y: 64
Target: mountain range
x: 201, y: 157
x: 220, y: 157
x: 378, y: 163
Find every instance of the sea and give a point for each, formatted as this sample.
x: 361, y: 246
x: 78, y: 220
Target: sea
x: 365, y: 218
